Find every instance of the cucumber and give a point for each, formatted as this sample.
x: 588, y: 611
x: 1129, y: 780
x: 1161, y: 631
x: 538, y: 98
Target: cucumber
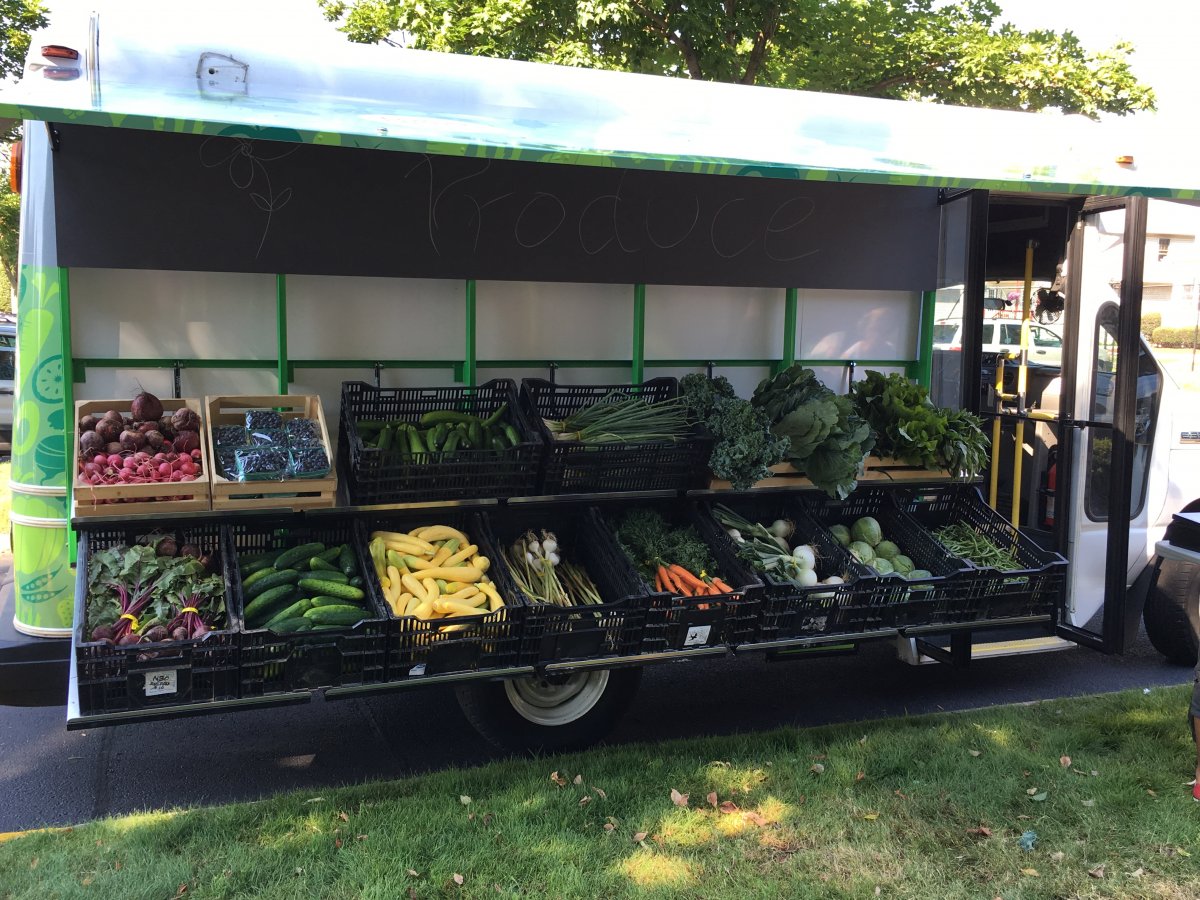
x: 335, y: 615
x: 316, y: 564
x: 447, y: 416
x: 327, y: 601
x: 287, y: 576
x: 347, y: 561
x: 251, y: 564
x: 256, y: 577
x: 295, y: 611
x: 331, y: 555
x: 332, y: 588
x: 291, y: 558
x: 259, y: 610
x: 356, y: 581
x: 290, y: 626
x: 328, y: 575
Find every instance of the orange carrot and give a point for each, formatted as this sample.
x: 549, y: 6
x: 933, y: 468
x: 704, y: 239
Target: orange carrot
x: 685, y: 577
x: 660, y: 582
x: 722, y: 586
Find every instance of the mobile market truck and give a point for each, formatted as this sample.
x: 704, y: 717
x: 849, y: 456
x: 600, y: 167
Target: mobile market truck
x: 358, y: 237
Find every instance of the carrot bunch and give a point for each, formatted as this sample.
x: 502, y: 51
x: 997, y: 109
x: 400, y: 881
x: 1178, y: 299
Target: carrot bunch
x: 678, y: 580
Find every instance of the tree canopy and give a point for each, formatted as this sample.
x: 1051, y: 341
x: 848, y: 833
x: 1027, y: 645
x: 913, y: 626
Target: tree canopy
x: 959, y: 53
x: 17, y: 19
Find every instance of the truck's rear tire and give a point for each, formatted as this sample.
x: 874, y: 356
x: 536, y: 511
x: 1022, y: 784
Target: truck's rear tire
x: 1172, y: 613
x: 537, y: 715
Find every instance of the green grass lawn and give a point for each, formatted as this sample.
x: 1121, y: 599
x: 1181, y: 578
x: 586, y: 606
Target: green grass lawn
x: 928, y: 807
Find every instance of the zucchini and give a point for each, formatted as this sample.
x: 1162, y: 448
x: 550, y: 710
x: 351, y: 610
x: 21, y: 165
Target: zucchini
x: 511, y: 434
x: 447, y: 416
x: 332, y: 588
x: 452, y: 442
x: 415, y: 444
x: 494, y: 418
x: 347, y: 561
x: 335, y: 615
x: 292, y: 558
x: 475, y: 432
x: 275, y: 579
x: 296, y: 610
x: 316, y: 564
x: 258, y: 610
x: 386, y: 437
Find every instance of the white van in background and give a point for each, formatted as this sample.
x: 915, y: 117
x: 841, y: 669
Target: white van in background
x: 1004, y: 336
x: 8, y: 371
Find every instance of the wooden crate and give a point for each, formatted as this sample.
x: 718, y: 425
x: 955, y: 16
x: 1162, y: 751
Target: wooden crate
x: 292, y: 493
x: 876, y: 470
x: 141, y: 499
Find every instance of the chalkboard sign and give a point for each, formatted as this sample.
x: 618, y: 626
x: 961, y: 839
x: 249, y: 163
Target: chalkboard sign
x: 153, y: 200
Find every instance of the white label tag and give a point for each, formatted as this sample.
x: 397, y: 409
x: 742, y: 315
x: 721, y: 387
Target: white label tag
x: 697, y: 636
x: 161, y: 682
x: 418, y: 669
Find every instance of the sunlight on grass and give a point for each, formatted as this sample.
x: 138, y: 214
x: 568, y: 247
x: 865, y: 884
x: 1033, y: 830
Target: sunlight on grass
x: 647, y: 869
x: 1001, y: 737
x: 135, y: 821
x: 726, y: 779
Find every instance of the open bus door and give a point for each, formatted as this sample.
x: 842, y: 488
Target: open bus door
x: 1110, y: 481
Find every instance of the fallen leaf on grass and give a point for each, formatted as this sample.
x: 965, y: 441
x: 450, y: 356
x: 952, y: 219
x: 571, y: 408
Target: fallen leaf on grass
x: 1064, y: 761
x: 360, y: 837
x: 1032, y: 791
x: 414, y: 873
x: 1097, y: 872
x: 412, y: 893
x: 728, y: 806
x: 343, y: 817
x: 33, y: 863
x: 585, y: 800
x: 1136, y: 873
x: 182, y: 890
x: 901, y: 795
x: 464, y: 800
x: 578, y: 779
x: 817, y: 769
x: 86, y: 880
x: 639, y: 837
x: 860, y: 775
x: 609, y: 826
x: 458, y: 879
x: 1089, y: 802
x: 1039, y: 798
x: 1024, y: 817
x: 679, y: 799
x: 117, y: 866
x: 712, y: 799
x: 558, y: 779
x: 1151, y: 793
x: 315, y: 800
x: 871, y: 816
x: 1094, y: 773
x: 337, y: 844
x: 863, y: 739
x: 982, y: 831
x: 755, y: 819
x: 1057, y: 856
x: 1031, y: 873
x: 975, y: 752
x: 488, y: 818
x: 600, y: 793
x: 819, y: 756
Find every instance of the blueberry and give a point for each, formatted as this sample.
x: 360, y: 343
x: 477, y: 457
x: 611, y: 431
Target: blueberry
x: 257, y: 419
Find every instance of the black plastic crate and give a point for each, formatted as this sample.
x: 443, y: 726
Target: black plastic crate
x: 172, y: 673
x: 675, y: 622
x: 571, y: 467
x: 273, y: 663
x: 374, y: 476
x: 421, y: 647
x: 788, y: 610
x: 556, y: 633
x: 1036, y: 588
x: 893, y: 601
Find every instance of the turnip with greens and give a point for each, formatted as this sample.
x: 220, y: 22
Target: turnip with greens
x: 805, y: 556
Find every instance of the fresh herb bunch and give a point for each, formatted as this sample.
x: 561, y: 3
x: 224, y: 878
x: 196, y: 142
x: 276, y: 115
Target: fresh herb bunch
x: 745, y: 448
x: 910, y: 428
x: 621, y: 418
x: 828, y: 441
x: 650, y: 541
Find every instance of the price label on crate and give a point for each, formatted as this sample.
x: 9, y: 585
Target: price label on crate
x: 162, y: 681
x: 697, y: 635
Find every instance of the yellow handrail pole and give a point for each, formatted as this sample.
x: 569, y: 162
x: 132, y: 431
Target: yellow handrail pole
x: 1019, y: 442
x: 995, y: 469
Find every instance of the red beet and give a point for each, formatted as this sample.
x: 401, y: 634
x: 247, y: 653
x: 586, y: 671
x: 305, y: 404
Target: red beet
x: 114, y: 416
x: 154, y: 439
x: 166, y: 427
x: 146, y: 407
x: 114, y: 449
x: 132, y: 440
x: 130, y: 638
x: 184, y: 419
x: 88, y: 423
x: 109, y: 429
x: 186, y: 442
x: 102, y: 633
x: 90, y: 444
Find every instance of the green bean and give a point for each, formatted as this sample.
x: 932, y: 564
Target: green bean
x: 964, y: 541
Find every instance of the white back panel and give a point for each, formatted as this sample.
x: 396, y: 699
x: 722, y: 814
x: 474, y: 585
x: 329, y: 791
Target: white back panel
x: 857, y: 325
x: 713, y: 322
x: 548, y: 320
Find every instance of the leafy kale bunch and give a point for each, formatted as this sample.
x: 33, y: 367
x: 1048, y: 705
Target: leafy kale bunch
x: 828, y: 441
x: 745, y: 448
x: 650, y: 541
x: 910, y: 428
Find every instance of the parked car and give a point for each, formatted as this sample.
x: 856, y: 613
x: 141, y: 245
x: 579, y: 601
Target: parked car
x: 1004, y: 336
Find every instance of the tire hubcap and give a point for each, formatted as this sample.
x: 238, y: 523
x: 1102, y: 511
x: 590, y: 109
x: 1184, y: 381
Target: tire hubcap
x: 552, y: 705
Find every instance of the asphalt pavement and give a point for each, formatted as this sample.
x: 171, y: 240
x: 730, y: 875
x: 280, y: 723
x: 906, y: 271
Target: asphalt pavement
x: 49, y: 776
